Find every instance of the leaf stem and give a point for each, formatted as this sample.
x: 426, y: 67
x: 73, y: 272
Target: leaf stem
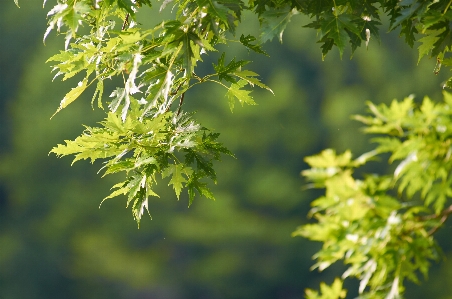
x: 181, y: 101
x: 126, y: 22
x: 447, y: 7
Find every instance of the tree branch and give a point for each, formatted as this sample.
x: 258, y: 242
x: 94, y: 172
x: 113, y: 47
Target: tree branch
x: 441, y: 216
x: 126, y: 22
x: 445, y: 212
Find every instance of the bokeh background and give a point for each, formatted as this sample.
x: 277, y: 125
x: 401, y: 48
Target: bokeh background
x: 56, y: 243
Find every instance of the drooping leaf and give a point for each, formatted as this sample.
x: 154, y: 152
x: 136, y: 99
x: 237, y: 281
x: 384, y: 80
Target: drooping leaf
x: 274, y: 22
x: 427, y: 45
x: 247, y: 42
x: 335, y: 27
x: 72, y: 95
x: 250, y: 78
x: 409, y: 9
x: 195, y: 185
x: 176, y: 171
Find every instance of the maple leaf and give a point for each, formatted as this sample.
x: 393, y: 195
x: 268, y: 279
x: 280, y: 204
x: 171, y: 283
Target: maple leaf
x: 226, y: 71
x: 247, y: 40
x: 235, y: 92
x: 410, y: 8
x: 194, y: 184
x: 215, y: 8
x: 274, y: 22
x: 334, y: 27
x: 176, y: 171
x: 427, y: 44
x: 250, y: 78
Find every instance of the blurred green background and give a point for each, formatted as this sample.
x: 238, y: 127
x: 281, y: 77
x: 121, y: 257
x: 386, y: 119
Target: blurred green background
x: 56, y: 243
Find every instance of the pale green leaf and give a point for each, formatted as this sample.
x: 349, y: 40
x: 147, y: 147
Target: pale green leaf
x: 427, y: 44
x: 117, y: 192
x: 250, y: 77
x: 72, y: 95
x: 177, y: 179
x: 98, y: 92
x: 328, y: 159
x: 243, y: 96
x: 145, y: 161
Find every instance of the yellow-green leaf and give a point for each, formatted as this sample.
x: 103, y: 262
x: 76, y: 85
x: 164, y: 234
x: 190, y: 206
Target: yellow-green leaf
x: 72, y: 95
x: 235, y: 92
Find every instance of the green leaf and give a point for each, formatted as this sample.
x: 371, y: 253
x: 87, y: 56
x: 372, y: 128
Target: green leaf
x: 226, y: 72
x: 242, y: 95
x: 126, y: 5
x: 203, y: 165
x: 177, y: 180
x: 328, y: 158
x: 215, y: 8
x: 406, y: 13
x: 335, y: 291
x: 250, y: 78
x: 274, y: 21
x: 427, y: 45
x: 72, y: 95
x: 247, y: 40
x: 145, y: 161
x: 335, y: 28
x: 444, y: 41
x: 194, y: 184
x: 122, y: 189
x: 98, y: 92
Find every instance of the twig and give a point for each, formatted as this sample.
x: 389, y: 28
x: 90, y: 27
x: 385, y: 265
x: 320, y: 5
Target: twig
x: 433, y: 230
x: 181, y: 101
x: 442, y: 216
x: 445, y: 212
x: 126, y: 22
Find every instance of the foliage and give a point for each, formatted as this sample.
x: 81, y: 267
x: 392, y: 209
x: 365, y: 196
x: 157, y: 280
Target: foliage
x: 158, y: 64
x: 382, y: 226
x: 145, y: 149
x: 385, y: 238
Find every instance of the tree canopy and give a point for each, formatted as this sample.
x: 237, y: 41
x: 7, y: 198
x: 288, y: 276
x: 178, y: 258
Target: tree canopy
x: 381, y: 226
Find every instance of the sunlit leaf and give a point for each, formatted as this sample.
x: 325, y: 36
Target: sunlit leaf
x: 72, y: 95
x: 235, y: 92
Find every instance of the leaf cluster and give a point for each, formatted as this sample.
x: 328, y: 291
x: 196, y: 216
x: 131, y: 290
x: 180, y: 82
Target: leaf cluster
x: 168, y: 145
x: 382, y: 226
x: 157, y: 66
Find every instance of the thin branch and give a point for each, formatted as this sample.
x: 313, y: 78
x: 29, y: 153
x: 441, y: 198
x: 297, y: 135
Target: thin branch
x: 441, y: 216
x: 181, y: 101
x: 126, y: 22
x: 441, y: 222
x: 445, y: 212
